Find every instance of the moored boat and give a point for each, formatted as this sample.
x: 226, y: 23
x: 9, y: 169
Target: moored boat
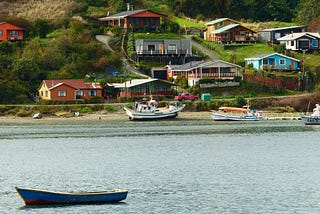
x: 150, y: 110
x: 236, y: 114
x: 43, y: 197
x: 314, y: 118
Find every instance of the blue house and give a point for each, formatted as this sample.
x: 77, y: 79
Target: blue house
x: 272, y: 61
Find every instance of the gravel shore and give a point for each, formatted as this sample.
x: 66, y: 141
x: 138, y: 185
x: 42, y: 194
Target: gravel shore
x: 116, y: 116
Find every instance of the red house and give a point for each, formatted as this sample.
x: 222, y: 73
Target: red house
x: 71, y: 89
x: 10, y: 32
x: 134, y: 18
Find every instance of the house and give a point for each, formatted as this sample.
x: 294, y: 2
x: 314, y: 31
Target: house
x: 141, y: 87
x: 301, y: 41
x: 70, y: 89
x: 164, y: 51
x: 272, y: 35
x: 196, y: 70
x: 225, y: 30
x: 10, y: 32
x: 272, y: 61
x: 134, y: 19
x: 163, y: 47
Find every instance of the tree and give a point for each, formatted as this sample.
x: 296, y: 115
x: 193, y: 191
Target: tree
x: 280, y: 10
x: 308, y: 10
x: 314, y: 26
x: 42, y: 28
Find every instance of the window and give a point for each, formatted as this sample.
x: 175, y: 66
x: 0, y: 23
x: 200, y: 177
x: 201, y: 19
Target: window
x: 0, y: 32
x: 265, y: 62
x: 282, y: 62
x: 172, y: 47
x: 46, y: 94
x: 79, y: 93
x: 314, y: 43
x: 151, y: 47
x: 92, y: 93
x: 292, y: 43
x: 13, y: 33
x: 62, y: 93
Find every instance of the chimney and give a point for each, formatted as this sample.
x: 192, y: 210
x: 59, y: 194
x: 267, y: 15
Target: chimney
x: 128, y: 6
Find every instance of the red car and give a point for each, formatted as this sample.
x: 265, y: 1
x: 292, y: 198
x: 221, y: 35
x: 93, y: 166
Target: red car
x: 186, y: 96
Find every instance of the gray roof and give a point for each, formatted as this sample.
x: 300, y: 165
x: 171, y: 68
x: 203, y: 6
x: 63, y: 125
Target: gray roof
x: 135, y: 82
x: 201, y: 64
x: 283, y: 28
x: 294, y: 36
x: 266, y: 55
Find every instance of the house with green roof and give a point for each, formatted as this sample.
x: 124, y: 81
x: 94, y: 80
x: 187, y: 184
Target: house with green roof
x: 226, y: 30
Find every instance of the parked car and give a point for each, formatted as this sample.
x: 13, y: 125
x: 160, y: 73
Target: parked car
x: 186, y: 96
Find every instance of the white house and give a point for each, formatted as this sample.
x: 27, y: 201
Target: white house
x: 301, y: 41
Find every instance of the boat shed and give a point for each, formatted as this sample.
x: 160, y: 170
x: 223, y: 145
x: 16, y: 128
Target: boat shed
x: 141, y: 87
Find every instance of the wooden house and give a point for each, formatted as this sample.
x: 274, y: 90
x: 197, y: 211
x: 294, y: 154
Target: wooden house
x: 272, y: 61
x: 196, y: 70
x: 225, y: 30
x: 134, y: 19
x: 301, y: 41
x: 272, y: 35
x: 10, y: 32
x: 141, y: 87
x: 70, y: 89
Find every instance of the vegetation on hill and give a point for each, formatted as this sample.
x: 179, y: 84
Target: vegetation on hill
x: 60, y: 35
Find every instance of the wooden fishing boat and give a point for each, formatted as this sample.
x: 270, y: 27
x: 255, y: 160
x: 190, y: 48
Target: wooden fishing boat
x: 150, y: 110
x: 43, y: 197
x: 235, y: 114
x: 314, y: 118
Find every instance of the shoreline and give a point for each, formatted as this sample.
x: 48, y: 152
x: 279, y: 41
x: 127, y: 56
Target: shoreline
x: 122, y: 116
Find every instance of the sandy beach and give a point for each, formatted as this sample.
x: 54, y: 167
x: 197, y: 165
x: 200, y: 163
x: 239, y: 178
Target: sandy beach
x: 90, y: 117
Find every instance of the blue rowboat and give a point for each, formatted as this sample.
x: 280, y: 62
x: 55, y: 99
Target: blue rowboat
x: 42, y: 197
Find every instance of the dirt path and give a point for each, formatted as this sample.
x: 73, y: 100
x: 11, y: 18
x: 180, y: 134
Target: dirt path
x: 203, y: 49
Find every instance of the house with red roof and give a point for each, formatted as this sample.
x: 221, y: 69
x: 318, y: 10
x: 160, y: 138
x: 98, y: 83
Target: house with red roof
x: 133, y: 19
x: 10, y: 32
x: 69, y: 89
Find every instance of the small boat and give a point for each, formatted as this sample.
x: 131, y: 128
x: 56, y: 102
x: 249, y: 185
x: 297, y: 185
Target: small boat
x: 236, y: 114
x: 37, y: 115
x: 43, y: 197
x: 314, y: 118
x: 150, y: 110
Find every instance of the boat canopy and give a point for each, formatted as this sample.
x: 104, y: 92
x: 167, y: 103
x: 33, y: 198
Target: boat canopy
x: 233, y: 109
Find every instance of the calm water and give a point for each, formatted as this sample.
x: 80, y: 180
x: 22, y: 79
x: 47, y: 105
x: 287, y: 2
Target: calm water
x: 177, y: 166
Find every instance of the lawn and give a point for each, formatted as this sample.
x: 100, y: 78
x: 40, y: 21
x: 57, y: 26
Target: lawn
x: 237, y: 53
x: 187, y: 23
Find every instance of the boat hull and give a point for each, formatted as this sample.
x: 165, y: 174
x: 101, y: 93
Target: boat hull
x: 310, y: 120
x: 42, y: 197
x: 134, y: 115
x: 224, y: 117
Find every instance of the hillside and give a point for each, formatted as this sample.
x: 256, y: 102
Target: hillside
x: 60, y: 39
x: 41, y: 9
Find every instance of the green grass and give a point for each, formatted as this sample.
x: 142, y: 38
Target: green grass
x: 187, y: 23
x: 266, y: 25
x: 312, y: 59
x: 157, y: 36
x: 96, y: 11
x: 238, y: 53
